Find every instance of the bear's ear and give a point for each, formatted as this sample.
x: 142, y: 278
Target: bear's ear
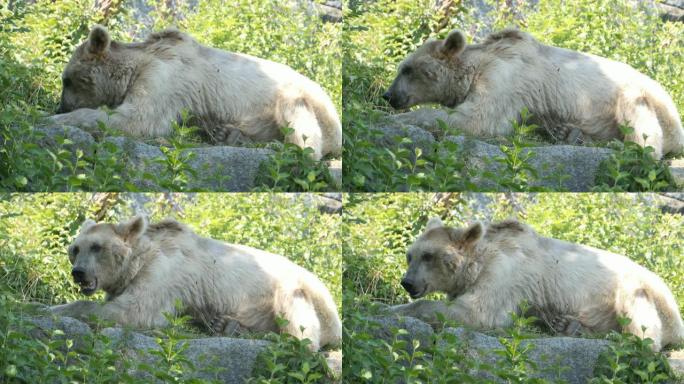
x: 472, y: 235
x: 98, y: 40
x: 434, y: 222
x: 86, y: 224
x: 454, y: 43
x: 133, y: 228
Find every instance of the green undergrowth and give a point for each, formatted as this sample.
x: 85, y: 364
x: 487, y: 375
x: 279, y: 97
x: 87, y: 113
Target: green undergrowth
x: 34, y: 48
x: 379, y: 34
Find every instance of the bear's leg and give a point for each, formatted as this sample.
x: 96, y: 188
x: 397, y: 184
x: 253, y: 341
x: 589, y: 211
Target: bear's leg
x: 425, y: 310
x: 77, y: 309
x: 647, y: 129
x: 307, y: 131
x: 303, y: 321
x: 112, y: 311
x: 84, y: 118
x: 426, y: 118
x: 127, y: 117
x: 646, y: 322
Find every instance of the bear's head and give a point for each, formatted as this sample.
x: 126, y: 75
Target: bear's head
x: 442, y: 260
x: 434, y: 73
x: 101, y: 254
x: 98, y: 74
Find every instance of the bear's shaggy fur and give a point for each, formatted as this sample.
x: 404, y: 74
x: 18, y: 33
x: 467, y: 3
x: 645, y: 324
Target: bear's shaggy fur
x: 572, y: 95
x: 487, y: 271
x: 145, y: 269
x: 232, y: 96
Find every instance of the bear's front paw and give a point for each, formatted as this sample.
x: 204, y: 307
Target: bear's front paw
x: 425, y: 118
x: 225, y: 325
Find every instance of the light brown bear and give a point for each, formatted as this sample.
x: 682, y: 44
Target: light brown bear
x: 232, y: 96
x: 145, y: 268
x: 487, y: 271
x: 574, y: 96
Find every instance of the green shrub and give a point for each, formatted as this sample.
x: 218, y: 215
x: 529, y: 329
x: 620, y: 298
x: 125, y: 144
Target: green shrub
x: 289, y: 361
x: 631, y: 359
x: 292, y: 169
x: 632, y: 168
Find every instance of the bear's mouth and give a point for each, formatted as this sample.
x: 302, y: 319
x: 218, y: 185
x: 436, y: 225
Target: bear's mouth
x: 88, y: 287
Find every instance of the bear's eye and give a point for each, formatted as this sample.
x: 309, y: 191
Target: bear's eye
x: 406, y: 70
x: 74, y: 250
x: 66, y: 82
x: 95, y: 248
x: 428, y: 256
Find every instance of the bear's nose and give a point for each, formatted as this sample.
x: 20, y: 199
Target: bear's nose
x: 386, y: 96
x: 408, y: 286
x: 78, y: 274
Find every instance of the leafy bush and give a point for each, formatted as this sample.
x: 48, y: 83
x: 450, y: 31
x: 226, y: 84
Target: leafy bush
x: 630, y: 359
x: 289, y: 361
x: 632, y: 168
x: 292, y: 169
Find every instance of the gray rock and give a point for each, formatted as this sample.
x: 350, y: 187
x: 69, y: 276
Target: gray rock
x: 228, y: 360
x: 218, y: 168
x: 328, y: 205
x: 578, y: 355
x: 410, y: 126
x: 335, y: 167
x: 334, y: 360
x: 234, y: 357
x: 45, y: 326
x: 677, y: 170
x: 579, y: 163
x: 330, y: 11
x: 53, y: 135
x: 670, y: 203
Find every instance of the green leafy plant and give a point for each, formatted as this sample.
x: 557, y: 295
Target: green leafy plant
x: 633, y: 168
x: 630, y: 359
x: 518, y: 171
x: 292, y: 169
x: 289, y: 360
x: 177, y: 173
